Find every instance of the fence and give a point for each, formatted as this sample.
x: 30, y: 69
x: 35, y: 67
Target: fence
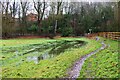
x: 110, y: 35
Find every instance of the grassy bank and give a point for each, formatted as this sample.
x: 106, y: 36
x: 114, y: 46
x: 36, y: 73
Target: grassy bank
x: 103, y: 64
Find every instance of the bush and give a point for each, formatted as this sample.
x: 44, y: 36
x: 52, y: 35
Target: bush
x: 67, y: 31
x: 33, y: 28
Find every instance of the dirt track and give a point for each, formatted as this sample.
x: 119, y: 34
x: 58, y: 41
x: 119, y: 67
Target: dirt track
x: 74, y: 72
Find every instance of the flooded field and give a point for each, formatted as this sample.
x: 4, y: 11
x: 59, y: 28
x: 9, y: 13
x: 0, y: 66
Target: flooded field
x: 42, y: 58
x: 35, y: 52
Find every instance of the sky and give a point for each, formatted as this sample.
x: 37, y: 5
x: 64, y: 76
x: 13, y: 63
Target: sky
x: 67, y: 0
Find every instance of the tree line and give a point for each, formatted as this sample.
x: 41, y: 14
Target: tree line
x: 58, y: 18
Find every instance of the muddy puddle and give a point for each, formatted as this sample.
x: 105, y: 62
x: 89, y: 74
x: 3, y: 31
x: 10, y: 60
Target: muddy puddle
x: 37, y: 52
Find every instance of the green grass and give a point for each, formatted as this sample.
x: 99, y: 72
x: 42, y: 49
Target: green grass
x: 49, y: 68
x: 103, y: 64
x: 21, y: 42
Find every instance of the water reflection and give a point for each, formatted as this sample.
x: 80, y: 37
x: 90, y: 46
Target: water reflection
x: 48, y: 50
x: 36, y: 59
x: 56, y: 50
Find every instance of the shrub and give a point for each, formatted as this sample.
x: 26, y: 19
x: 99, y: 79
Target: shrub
x: 67, y: 31
x: 33, y: 28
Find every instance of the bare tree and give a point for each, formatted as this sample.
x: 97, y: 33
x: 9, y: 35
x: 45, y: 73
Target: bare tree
x: 40, y: 8
x: 6, y: 6
x: 13, y: 8
x: 5, y: 19
x: 19, y: 13
x: 58, y: 7
x: 2, y: 7
x: 66, y: 7
x: 24, y: 6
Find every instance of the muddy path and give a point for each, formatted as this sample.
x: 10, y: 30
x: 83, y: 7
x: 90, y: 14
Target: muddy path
x: 74, y: 72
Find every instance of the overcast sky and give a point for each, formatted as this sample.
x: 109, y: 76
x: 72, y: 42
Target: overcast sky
x: 68, y: 0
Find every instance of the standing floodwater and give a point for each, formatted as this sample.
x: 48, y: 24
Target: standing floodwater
x: 37, y: 52
x: 56, y: 50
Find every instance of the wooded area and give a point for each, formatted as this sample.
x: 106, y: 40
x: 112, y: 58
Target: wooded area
x: 59, y: 40
x: 58, y: 18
